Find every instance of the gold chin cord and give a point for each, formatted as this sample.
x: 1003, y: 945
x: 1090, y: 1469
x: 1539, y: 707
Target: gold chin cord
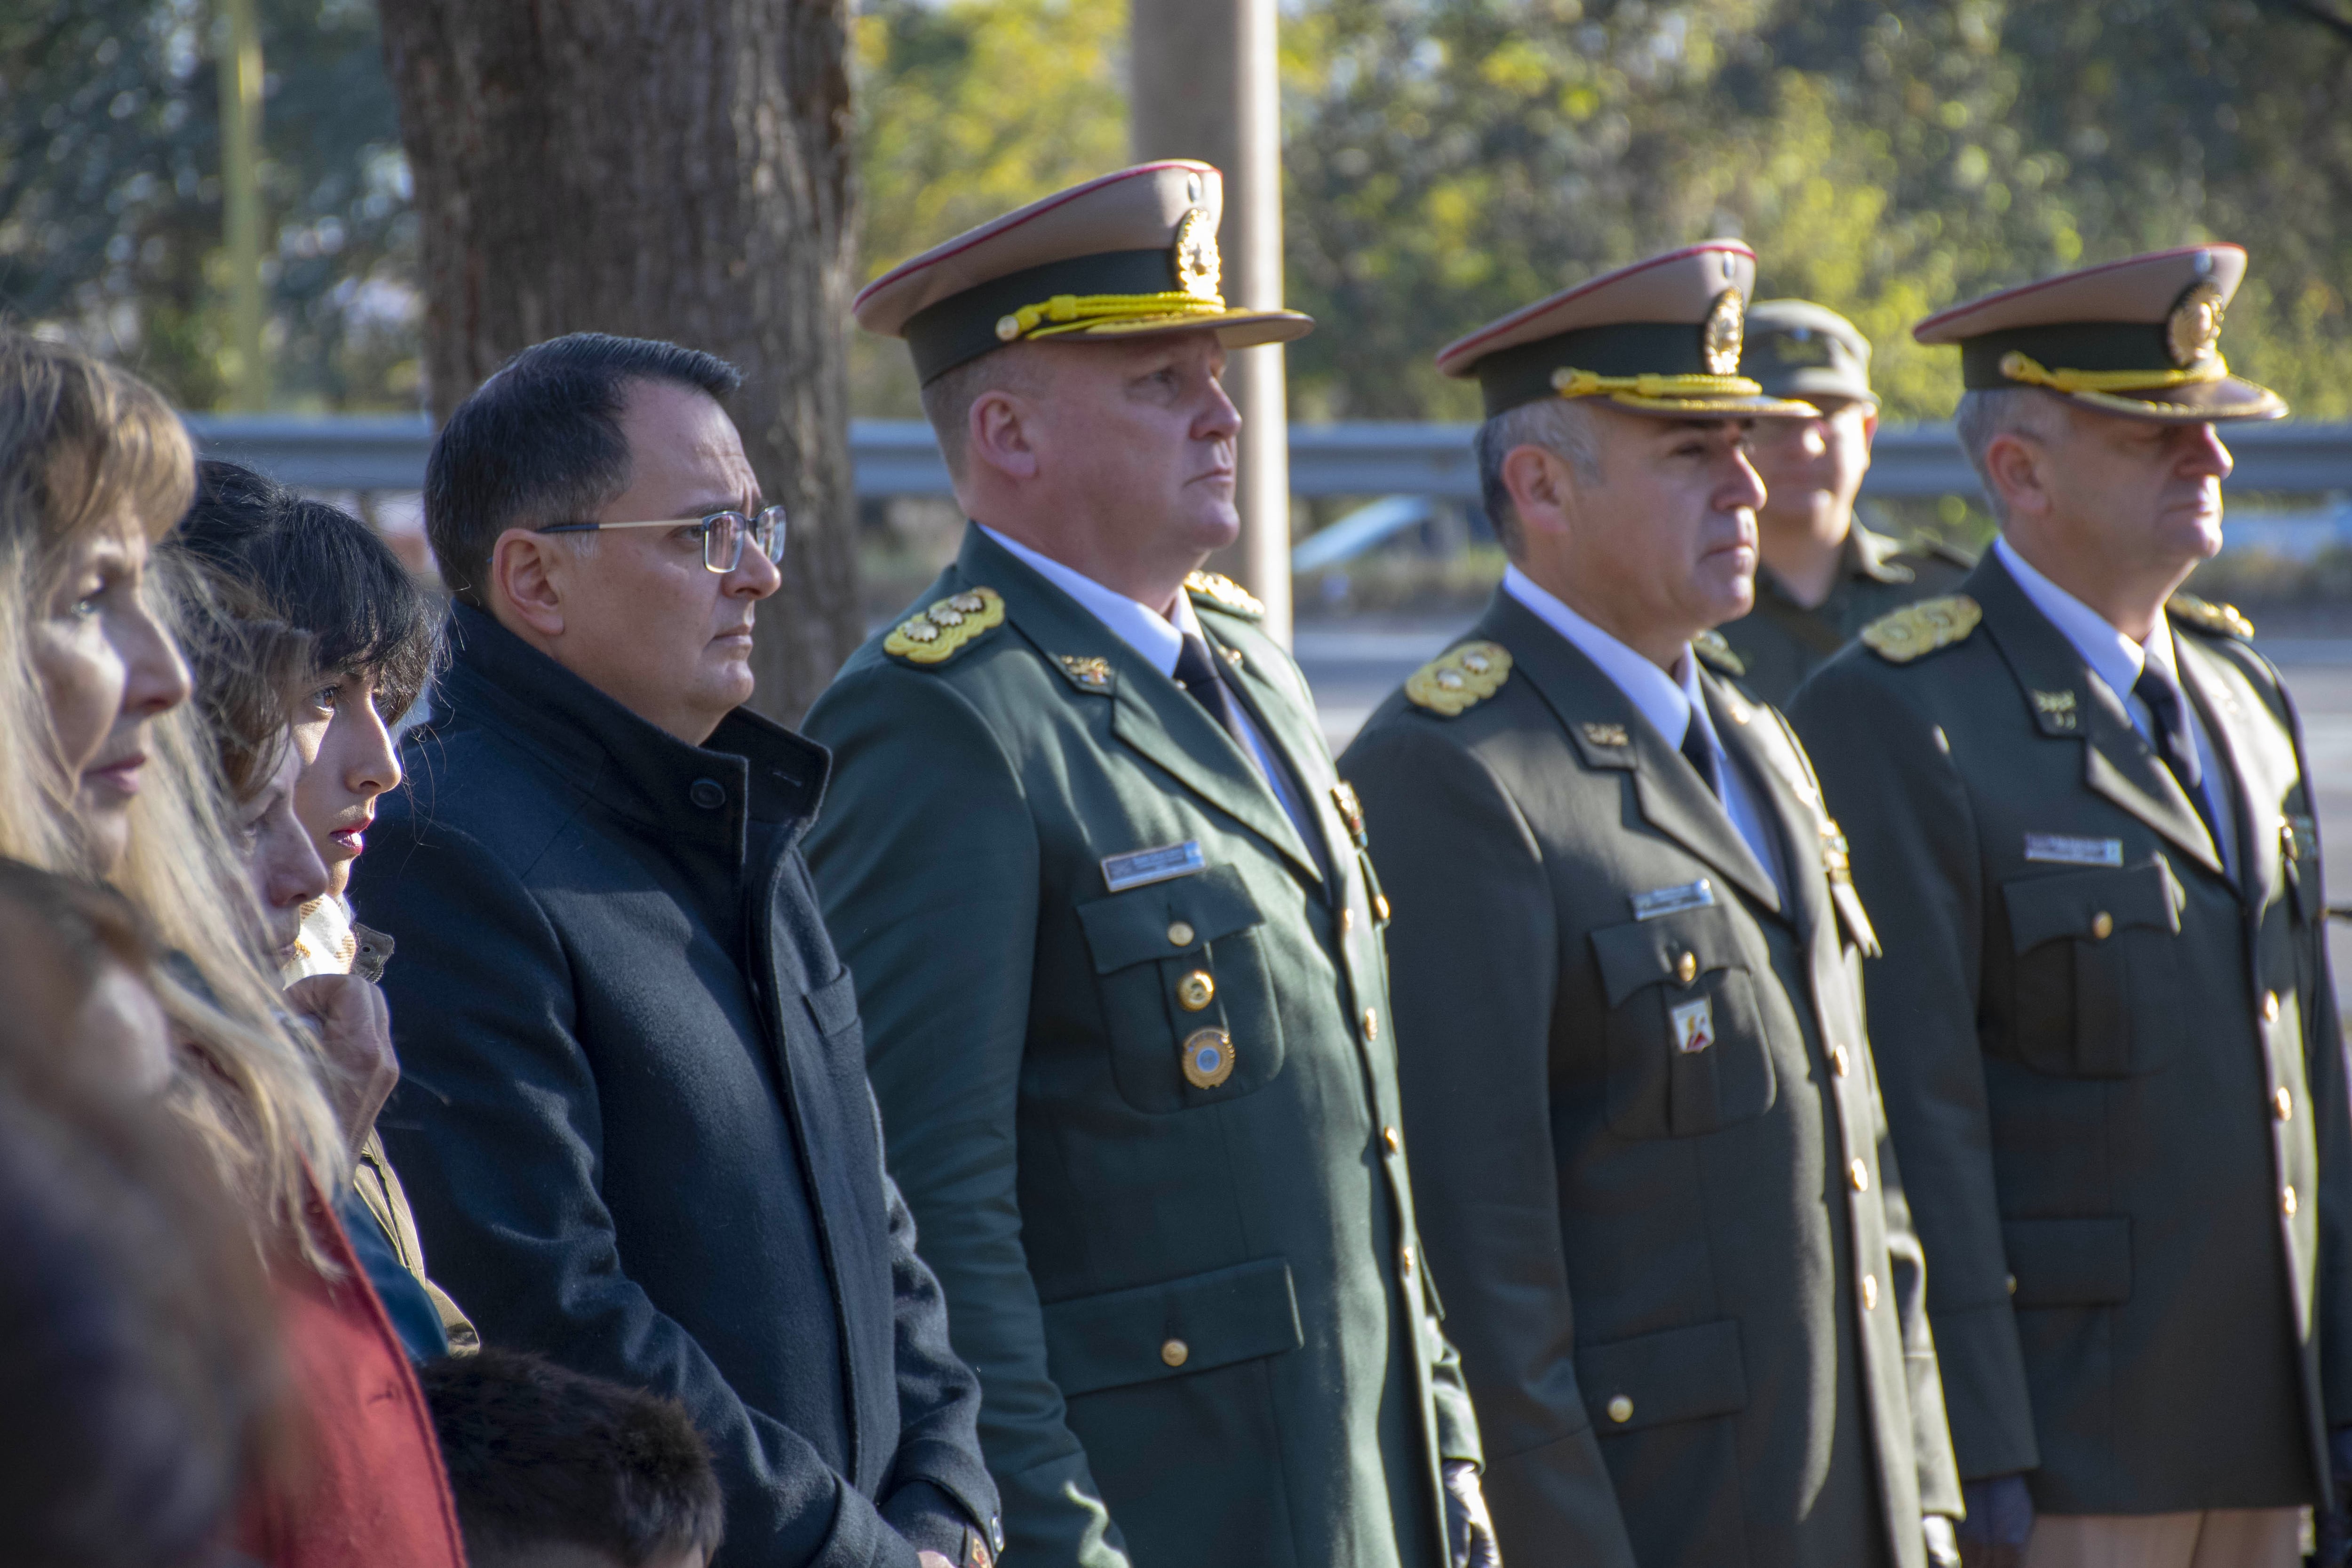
x: 1077, y: 312
x: 1590, y: 383
x: 2022, y: 369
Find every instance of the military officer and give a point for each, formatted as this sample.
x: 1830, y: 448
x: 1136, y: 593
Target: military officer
x: 1647, y: 1136
x: 2080, y: 813
x: 1823, y: 576
x: 1117, y: 945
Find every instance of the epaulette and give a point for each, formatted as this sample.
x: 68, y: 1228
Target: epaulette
x: 1713, y: 650
x: 2221, y: 620
x: 1460, y: 677
x: 1920, y: 629
x: 945, y: 629
x: 1225, y: 595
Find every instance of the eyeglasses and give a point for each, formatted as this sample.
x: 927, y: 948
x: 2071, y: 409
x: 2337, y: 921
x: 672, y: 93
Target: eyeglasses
x: 723, y: 534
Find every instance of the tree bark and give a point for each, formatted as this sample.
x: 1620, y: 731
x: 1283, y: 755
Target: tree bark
x: 675, y: 169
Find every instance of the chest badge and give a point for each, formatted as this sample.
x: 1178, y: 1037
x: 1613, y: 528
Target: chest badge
x: 1351, y: 810
x: 1087, y: 673
x: 1694, y: 1026
x: 1208, y: 1058
x: 2057, y: 710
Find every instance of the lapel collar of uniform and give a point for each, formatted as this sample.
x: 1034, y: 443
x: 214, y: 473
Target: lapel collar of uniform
x: 1287, y: 722
x: 1595, y: 713
x: 1150, y: 714
x: 1752, y: 742
x: 2226, y: 704
x: 2068, y: 703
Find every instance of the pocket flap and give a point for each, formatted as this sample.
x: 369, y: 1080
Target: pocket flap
x: 1132, y: 927
x: 1681, y: 1374
x: 1643, y: 953
x: 1220, y: 1318
x: 2043, y: 909
x: 2069, y: 1262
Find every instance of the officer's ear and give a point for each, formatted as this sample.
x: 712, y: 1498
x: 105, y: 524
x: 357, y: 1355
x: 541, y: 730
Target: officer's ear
x: 1542, y: 486
x: 2013, y: 464
x: 1001, y: 435
x: 526, y: 581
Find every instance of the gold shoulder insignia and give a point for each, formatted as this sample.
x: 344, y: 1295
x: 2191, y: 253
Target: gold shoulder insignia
x: 1225, y: 595
x: 940, y: 633
x: 1918, y: 629
x: 1460, y: 677
x: 1710, y: 647
x: 2222, y: 620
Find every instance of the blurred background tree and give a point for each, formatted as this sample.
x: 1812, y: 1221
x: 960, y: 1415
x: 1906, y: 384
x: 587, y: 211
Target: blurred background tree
x: 1447, y: 160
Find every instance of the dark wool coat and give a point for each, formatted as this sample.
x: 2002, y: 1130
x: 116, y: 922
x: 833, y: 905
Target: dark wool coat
x: 633, y: 1119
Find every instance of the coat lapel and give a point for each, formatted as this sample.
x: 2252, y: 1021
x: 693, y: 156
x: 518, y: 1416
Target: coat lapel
x: 2067, y: 702
x: 1791, y: 803
x: 1286, y: 718
x: 1610, y: 732
x: 1150, y: 714
x: 2230, y: 710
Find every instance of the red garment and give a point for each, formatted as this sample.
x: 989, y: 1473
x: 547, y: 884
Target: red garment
x: 371, y: 1491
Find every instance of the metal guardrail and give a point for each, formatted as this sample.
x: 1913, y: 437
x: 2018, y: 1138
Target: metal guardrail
x: 897, y: 458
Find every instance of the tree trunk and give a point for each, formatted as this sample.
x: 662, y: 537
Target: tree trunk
x: 675, y: 169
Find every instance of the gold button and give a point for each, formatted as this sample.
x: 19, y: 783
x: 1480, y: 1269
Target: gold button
x: 1372, y: 1023
x: 1859, y: 1175
x: 1839, y: 1063
x: 1194, y: 991
x: 1175, y: 1352
x: 1870, y: 1292
x: 1394, y: 1139
x: 1180, y: 935
x: 1347, y: 920
x: 2102, y: 925
x: 1380, y: 905
x: 2012, y: 1284
x: 1404, y: 1261
x: 2286, y: 1203
x: 1686, y: 968
x: 2284, y: 1104
x: 1621, y: 1410
x: 2270, y: 1007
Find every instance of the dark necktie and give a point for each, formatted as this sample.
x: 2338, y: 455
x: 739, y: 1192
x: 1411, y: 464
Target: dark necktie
x: 2174, y: 742
x: 1196, y: 672
x: 1700, y: 756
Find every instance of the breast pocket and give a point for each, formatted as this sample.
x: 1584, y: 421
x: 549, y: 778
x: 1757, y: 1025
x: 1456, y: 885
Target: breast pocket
x: 2092, y: 996
x: 1187, y: 994
x: 1686, y: 1047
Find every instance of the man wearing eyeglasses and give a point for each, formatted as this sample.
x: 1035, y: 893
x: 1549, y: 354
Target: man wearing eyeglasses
x: 636, y: 1107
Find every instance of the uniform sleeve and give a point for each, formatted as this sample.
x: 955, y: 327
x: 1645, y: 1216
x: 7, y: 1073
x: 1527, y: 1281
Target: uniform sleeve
x: 927, y: 862
x: 1472, y: 949
x: 496, y: 1132
x: 1907, y: 815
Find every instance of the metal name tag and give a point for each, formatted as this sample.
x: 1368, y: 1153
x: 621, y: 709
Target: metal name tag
x: 1695, y: 895
x: 1121, y: 872
x: 2059, y: 849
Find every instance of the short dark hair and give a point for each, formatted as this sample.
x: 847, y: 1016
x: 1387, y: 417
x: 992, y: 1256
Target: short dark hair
x: 539, y: 1455
x: 540, y: 442
x: 319, y: 570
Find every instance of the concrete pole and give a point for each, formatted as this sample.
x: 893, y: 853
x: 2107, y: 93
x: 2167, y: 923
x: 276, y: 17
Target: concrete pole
x: 240, y: 115
x: 1205, y: 86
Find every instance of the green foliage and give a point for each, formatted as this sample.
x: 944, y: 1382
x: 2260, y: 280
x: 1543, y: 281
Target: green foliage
x: 110, y: 195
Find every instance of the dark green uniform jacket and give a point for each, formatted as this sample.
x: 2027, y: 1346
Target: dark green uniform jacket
x: 1686, y: 1291
x: 2114, y: 1074
x: 1781, y: 641
x: 1197, y: 1313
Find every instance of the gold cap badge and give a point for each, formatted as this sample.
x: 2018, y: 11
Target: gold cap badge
x: 2194, y: 327
x: 1720, y: 334
x: 1199, y: 269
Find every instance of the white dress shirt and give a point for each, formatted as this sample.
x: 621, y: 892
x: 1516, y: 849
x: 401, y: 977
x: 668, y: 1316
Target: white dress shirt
x: 2115, y: 663
x: 1159, y: 638
x: 1672, y: 702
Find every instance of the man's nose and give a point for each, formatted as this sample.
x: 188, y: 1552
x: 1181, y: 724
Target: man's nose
x: 755, y: 577
x: 1745, y: 486
x: 1220, y: 418
x: 2206, y: 454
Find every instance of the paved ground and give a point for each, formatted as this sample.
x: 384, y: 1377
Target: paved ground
x: 1353, y: 665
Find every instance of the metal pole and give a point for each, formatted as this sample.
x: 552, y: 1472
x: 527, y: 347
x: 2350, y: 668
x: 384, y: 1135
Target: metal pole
x: 240, y: 116
x: 1204, y: 85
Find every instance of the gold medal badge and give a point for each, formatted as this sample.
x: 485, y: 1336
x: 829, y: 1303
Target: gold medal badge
x: 1720, y: 334
x: 2194, y: 328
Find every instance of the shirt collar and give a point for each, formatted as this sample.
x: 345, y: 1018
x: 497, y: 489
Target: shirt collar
x: 1667, y: 701
x: 1158, y: 637
x: 2113, y: 656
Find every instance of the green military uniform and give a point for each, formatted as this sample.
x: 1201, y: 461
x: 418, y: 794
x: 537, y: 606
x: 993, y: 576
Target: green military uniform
x: 1794, y: 348
x: 1781, y: 641
x: 2108, y: 1035
x: 1129, y: 1030
x: 1647, y: 1139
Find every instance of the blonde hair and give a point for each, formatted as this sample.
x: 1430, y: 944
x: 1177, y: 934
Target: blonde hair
x: 82, y: 444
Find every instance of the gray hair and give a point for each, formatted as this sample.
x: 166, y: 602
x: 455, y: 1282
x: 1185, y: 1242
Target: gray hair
x: 2000, y: 411
x: 947, y: 396
x: 1557, y: 425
